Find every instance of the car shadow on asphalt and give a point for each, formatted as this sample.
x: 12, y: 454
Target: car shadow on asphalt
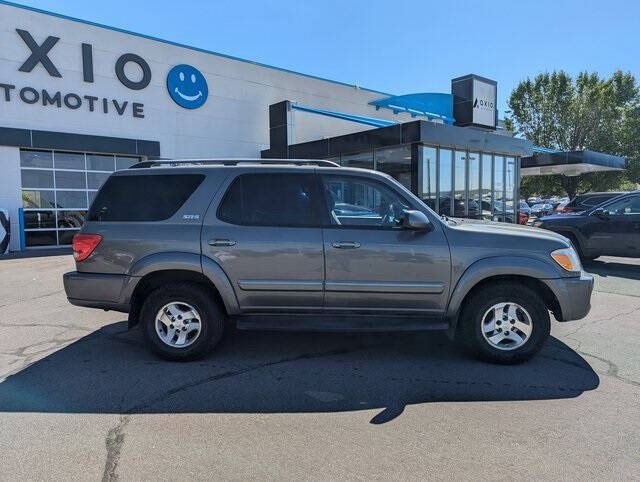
x: 613, y: 268
x: 111, y: 371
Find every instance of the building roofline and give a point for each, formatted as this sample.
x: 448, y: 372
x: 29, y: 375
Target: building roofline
x: 177, y: 44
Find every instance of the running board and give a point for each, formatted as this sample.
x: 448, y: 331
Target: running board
x: 338, y: 323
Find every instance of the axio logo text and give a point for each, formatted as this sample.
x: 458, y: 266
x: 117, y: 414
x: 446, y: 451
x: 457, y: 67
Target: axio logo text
x: 187, y: 86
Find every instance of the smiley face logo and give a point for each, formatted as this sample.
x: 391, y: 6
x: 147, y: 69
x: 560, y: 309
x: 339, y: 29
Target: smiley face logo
x: 187, y: 86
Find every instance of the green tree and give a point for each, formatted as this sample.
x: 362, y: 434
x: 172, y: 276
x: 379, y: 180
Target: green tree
x: 555, y: 111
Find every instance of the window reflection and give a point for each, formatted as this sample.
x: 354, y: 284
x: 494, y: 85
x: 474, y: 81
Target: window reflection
x: 395, y: 161
x: 486, y: 189
x: 474, y: 184
x: 428, y: 158
x: 498, y: 188
x: 510, y: 186
x: 363, y: 160
x: 446, y: 166
x: 460, y: 177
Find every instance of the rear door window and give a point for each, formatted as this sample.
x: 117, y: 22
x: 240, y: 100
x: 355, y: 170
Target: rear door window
x: 287, y: 200
x: 153, y: 197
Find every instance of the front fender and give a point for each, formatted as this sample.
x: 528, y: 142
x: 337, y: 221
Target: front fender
x: 497, y: 266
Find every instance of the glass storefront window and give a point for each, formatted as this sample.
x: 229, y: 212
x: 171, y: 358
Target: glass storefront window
x: 71, y: 199
x: 473, y: 161
x: 99, y: 162
x: 498, y: 188
x: 40, y: 238
x: 362, y: 160
x: 69, y: 160
x: 38, y: 199
x: 127, y: 162
x: 395, y: 161
x: 42, y: 159
x: 37, y: 178
x: 55, y: 195
x: 71, y: 219
x: 428, y: 160
x: 510, y: 186
x: 445, y: 170
x: 460, y: 189
x: 39, y: 219
x: 486, y: 188
x: 70, y: 180
x: 96, y: 179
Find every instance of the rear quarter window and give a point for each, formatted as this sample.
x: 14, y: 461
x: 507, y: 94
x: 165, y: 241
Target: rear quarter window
x: 154, y: 197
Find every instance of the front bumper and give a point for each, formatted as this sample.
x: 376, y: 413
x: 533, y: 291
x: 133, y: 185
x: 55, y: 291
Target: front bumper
x: 95, y: 290
x: 573, y: 295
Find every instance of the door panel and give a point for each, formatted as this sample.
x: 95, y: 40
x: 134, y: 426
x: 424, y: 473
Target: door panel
x: 270, y: 268
x: 397, y: 270
x: 372, y: 264
x: 267, y: 239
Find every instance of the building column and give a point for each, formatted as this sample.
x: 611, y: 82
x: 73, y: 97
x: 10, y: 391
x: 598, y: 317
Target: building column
x: 280, y: 130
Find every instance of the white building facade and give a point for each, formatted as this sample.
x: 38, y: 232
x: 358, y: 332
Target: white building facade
x: 79, y: 100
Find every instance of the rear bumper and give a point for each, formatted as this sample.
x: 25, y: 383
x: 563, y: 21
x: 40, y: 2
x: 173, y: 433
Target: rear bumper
x: 573, y: 294
x: 94, y: 290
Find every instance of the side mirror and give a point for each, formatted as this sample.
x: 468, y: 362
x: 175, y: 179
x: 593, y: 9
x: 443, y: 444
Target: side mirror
x: 600, y: 213
x: 415, y: 220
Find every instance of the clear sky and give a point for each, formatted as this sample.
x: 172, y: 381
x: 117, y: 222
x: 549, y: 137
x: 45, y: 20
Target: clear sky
x: 395, y: 46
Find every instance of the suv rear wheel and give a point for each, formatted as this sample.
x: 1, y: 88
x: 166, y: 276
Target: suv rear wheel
x: 505, y: 322
x: 181, y: 321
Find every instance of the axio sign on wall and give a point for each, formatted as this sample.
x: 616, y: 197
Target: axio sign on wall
x: 484, y: 103
x: 186, y: 84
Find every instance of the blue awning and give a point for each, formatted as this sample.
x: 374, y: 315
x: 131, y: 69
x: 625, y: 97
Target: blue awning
x: 430, y: 105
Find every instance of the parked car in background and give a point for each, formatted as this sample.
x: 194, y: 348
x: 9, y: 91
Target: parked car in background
x: 582, y: 202
x: 541, y: 209
x: 523, y: 207
x: 533, y: 200
x: 611, y: 228
x: 523, y: 218
x: 184, y: 248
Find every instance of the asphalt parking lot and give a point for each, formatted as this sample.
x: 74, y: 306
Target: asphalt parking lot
x: 81, y: 398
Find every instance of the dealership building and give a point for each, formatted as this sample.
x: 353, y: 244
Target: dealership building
x: 79, y: 100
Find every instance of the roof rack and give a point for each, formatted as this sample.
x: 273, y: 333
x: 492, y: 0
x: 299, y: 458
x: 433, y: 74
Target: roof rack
x: 232, y: 162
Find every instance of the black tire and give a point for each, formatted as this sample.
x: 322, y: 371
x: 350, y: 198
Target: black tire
x: 471, y: 321
x: 212, y: 320
x: 578, y: 248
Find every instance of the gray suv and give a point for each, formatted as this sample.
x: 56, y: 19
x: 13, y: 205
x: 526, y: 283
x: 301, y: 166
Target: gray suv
x: 186, y: 246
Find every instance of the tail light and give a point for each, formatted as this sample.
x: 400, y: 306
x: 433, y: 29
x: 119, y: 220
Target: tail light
x: 84, y: 245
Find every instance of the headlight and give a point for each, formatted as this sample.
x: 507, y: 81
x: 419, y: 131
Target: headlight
x: 537, y: 224
x: 568, y: 259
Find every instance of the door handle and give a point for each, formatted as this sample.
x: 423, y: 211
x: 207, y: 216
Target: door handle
x: 346, y: 245
x: 221, y: 242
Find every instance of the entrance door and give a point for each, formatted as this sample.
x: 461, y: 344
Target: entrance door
x: 266, y: 236
x: 371, y: 263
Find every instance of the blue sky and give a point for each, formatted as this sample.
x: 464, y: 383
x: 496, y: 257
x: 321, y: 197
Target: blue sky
x: 396, y: 46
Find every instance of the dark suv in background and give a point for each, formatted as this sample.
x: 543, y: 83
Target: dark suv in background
x: 309, y: 245
x: 583, y: 202
x: 608, y: 229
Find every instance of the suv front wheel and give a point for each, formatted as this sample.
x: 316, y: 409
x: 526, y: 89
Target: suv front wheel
x: 505, y: 322
x: 181, y: 321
